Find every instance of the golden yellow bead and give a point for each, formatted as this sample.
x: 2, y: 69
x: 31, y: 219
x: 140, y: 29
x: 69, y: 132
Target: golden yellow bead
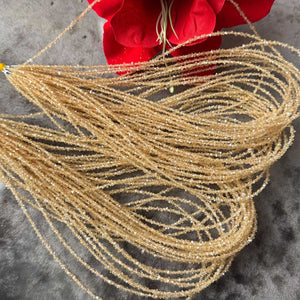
x: 2, y: 66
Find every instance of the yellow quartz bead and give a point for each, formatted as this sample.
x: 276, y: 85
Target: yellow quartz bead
x: 2, y: 66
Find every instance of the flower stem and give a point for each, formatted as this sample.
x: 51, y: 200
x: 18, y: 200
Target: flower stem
x: 163, y: 19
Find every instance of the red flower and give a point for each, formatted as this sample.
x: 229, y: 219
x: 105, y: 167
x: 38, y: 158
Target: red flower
x: 130, y: 33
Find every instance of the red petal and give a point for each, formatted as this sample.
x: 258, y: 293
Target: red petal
x: 191, y: 18
x: 107, y: 8
x: 135, y: 24
x: 211, y: 43
x: 253, y: 9
x: 117, y: 54
x: 217, y: 5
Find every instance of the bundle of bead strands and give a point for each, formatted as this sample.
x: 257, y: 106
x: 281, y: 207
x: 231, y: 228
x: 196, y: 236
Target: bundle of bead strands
x: 159, y: 193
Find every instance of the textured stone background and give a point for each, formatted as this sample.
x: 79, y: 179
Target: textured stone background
x: 269, y: 268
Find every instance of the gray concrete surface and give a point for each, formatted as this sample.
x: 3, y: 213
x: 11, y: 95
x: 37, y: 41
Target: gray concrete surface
x: 269, y: 268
